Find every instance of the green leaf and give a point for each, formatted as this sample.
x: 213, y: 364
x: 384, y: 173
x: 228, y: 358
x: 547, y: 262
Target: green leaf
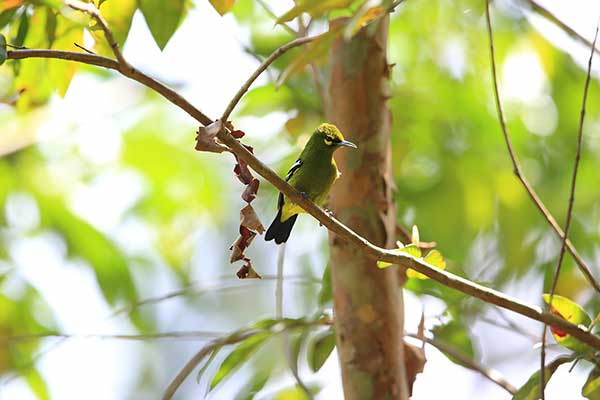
x: 37, y: 384
x: 162, y: 17
x: 50, y: 27
x: 23, y: 29
x: 572, y: 312
x: 118, y: 14
x: 222, y: 6
x: 292, y: 393
x: 3, y: 54
x: 207, y: 363
x: 591, y: 388
x: 325, y: 294
x: 531, y: 389
x: 320, y: 349
x: 315, y: 8
x: 255, y: 384
x: 455, y: 334
x: 6, y: 16
x: 411, y: 249
x: 238, y: 356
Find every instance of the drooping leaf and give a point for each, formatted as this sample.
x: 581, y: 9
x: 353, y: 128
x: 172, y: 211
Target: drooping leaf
x: 162, y: 17
x: 222, y: 6
x: 23, y: 30
x: 6, y: 16
x: 591, y: 387
x: 320, y: 349
x: 238, y: 356
x: 572, y: 312
x: 51, y: 24
x: 37, y: 384
x: 255, y: 384
x: 210, y: 359
x: 531, y: 389
x: 3, y: 54
x: 326, y: 293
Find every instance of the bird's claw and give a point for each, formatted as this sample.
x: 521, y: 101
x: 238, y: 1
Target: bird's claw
x: 329, y: 212
x: 304, y: 194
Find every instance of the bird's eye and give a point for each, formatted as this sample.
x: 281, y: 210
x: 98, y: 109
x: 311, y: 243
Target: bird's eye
x: 328, y: 141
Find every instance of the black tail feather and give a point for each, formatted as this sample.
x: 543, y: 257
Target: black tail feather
x: 280, y: 231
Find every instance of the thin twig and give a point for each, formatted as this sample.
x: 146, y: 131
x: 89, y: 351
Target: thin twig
x: 517, y: 166
x: 544, y: 12
x: 189, y: 335
x: 467, y: 362
x: 342, y: 231
x: 569, y: 209
x: 261, y: 68
x: 90, y: 8
x: 83, y: 48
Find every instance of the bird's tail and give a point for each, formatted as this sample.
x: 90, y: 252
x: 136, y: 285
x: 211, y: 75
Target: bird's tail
x: 280, y: 231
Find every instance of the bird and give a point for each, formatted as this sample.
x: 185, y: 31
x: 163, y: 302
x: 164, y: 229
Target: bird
x: 313, y: 174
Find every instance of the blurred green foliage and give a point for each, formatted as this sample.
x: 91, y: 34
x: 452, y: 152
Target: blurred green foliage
x: 452, y: 172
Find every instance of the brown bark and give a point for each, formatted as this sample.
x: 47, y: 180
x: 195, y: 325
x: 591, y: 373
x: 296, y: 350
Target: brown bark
x: 367, y: 301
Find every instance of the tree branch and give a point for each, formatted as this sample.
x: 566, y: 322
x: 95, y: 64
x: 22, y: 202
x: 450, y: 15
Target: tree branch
x: 517, y: 166
x: 261, y: 68
x: 446, y: 278
x: 489, y: 373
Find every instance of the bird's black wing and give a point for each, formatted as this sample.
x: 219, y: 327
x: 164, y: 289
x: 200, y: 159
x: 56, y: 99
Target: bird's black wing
x: 290, y: 173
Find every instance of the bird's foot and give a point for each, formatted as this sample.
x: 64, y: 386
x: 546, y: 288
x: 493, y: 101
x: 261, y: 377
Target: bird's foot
x: 305, y: 195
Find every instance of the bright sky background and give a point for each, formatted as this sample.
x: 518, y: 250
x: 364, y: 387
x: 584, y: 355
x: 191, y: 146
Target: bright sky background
x: 211, y: 71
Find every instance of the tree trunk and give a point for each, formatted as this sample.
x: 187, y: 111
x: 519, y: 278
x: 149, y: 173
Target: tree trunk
x: 367, y: 301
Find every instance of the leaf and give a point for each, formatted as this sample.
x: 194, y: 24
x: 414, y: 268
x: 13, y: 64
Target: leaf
x: 266, y: 99
x: 315, y: 8
x: 3, y: 54
x: 326, y: 293
x: 6, y: 16
x: 23, y: 30
x: 203, y: 369
x: 162, y: 17
x: 320, y: 349
x: 50, y: 27
x: 591, y: 388
x: 531, y: 389
x: 238, y: 356
x: 118, y: 14
x: 37, y: 384
x: 361, y: 18
x: 222, y: 6
x: 249, y: 219
x: 206, y: 138
x: 292, y: 393
x: 435, y: 258
x: 572, y: 312
x: 411, y: 249
x: 255, y: 384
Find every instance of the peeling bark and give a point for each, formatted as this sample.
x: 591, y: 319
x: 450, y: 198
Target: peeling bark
x: 367, y: 301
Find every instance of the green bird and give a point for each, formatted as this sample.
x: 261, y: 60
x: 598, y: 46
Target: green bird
x: 312, y: 175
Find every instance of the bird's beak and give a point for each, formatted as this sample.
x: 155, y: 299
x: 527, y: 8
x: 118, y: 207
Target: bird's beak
x: 345, y: 143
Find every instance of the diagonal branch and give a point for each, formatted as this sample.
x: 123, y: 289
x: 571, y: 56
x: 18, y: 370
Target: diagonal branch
x: 445, y: 278
x: 90, y: 8
x: 517, y: 166
x: 261, y: 68
x: 544, y: 12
